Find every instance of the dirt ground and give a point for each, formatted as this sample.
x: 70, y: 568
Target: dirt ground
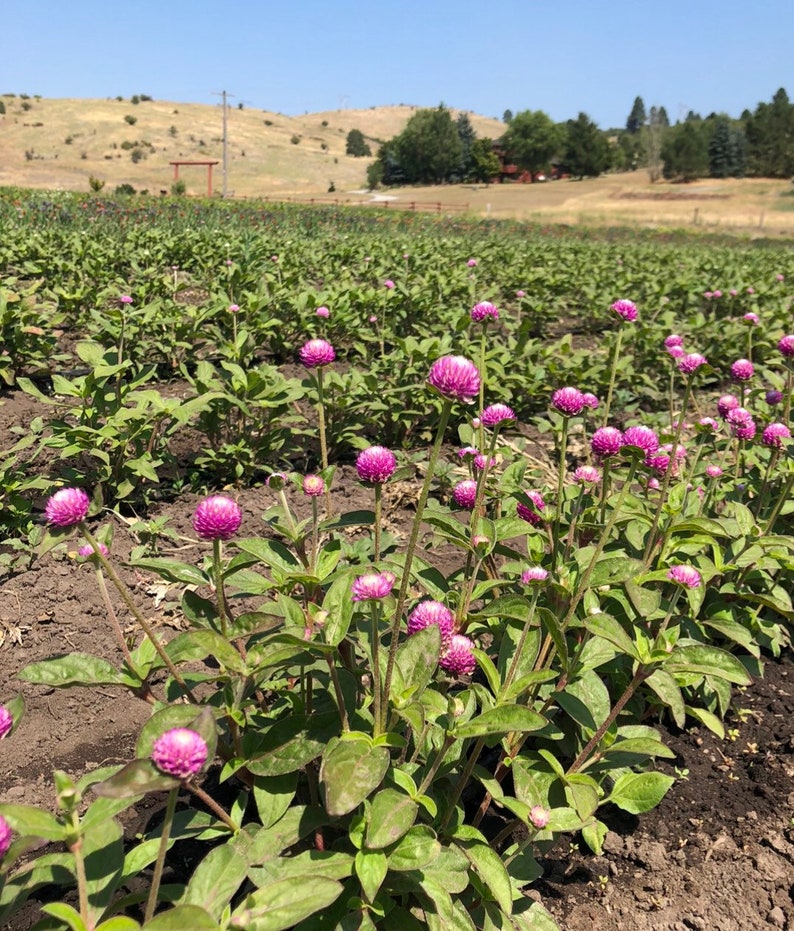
x: 717, y: 855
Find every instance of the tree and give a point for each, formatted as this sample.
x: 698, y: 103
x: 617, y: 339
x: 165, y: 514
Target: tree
x: 586, y: 148
x: 466, y: 136
x: 532, y: 139
x: 770, y: 138
x: 637, y: 117
x: 657, y: 128
x: 357, y: 144
x: 685, y: 152
x: 507, y: 116
x: 485, y: 163
x: 727, y: 150
x: 428, y: 149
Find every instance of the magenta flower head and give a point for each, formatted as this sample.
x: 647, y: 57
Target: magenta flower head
x: 673, y: 340
x: 458, y: 657
x: 313, y: 486
x: 432, y: 612
x: 741, y: 422
x: 625, y: 309
x: 6, y: 722
x: 497, y: 415
x: 751, y: 318
x: 539, y: 816
x: 590, y: 400
x: 606, y: 441
x: 482, y: 311
x: 786, y: 345
x: 87, y: 551
x: 687, y: 576
x: 472, y: 263
x: 708, y: 295
x: 276, y: 480
x: 742, y: 370
x: 534, y: 574
x: 780, y: 277
x: 587, y: 475
x: 5, y: 836
x: 373, y: 586
x: 217, y: 518
x: 718, y: 293
x: 707, y: 425
x: 531, y: 514
x: 376, y: 465
x: 67, y: 507
x: 179, y: 752
x: 323, y: 312
x: 520, y: 294
x: 641, y: 436
x: 773, y: 397
x: 751, y: 290
x: 691, y: 362
x: 676, y: 352
x: 455, y: 378
x: 467, y: 452
x: 774, y: 435
x: 660, y: 460
x: 713, y: 471
x: 317, y: 352
x: 568, y: 401
x: 234, y: 308
x: 727, y: 403
x: 481, y: 460
x: 125, y: 299
x: 388, y: 284
x: 465, y: 494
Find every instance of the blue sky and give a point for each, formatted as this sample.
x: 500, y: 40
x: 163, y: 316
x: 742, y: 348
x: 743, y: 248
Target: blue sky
x: 296, y: 57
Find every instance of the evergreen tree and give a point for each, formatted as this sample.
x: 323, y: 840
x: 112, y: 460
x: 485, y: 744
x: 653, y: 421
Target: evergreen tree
x: 467, y: 136
x: 586, y: 148
x: 685, y: 151
x: 727, y: 150
x: 770, y: 138
x: 507, y: 116
x: 637, y: 117
x: 662, y: 117
x: 485, y: 164
x: 533, y: 139
x: 357, y: 144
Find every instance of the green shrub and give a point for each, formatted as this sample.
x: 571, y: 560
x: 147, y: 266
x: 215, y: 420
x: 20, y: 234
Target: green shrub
x: 132, y: 120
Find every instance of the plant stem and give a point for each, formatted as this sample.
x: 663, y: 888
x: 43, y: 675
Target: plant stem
x: 213, y: 806
x: 217, y: 567
x: 462, y: 781
x: 378, y: 508
x: 377, y: 697
x: 521, y: 641
x: 612, y: 373
x: 449, y: 739
x: 323, y: 442
x: 158, y: 866
x: 560, y: 491
x: 340, y: 697
x: 82, y: 882
x: 112, y: 615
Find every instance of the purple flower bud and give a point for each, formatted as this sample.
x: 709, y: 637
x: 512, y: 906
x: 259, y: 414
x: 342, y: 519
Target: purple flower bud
x: 458, y: 657
x: 6, y: 722
x: 432, y: 612
x: 685, y: 575
x: 534, y: 574
x: 465, y: 494
x: 125, y: 299
x: 496, y: 415
x: 539, y: 816
x: 691, y: 363
x: 5, y: 836
x: 707, y: 425
x: 217, y: 518
x: 625, y: 309
x: 323, y: 312
x: 774, y: 435
x: 713, y: 471
x: 521, y: 294
x: 373, y: 586
x: 590, y: 400
x: 388, y: 284
x: 472, y: 263
x: 568, y: 401
x: 587, y: 475
x: 673, y: 340
x: 641, y: 436
x: 276, y: 480
x: 87, y: 551
x: 742, y: 370
x: 727, y: 403
x: 482, y: 311
x: 773, y: 397
x: 531, y: 514
x: 751, y: 290
x: 467, y: 452
x: 313, y: 486
x: 786, y: 345
x: 480, y: 461
x: 317, y: 352
x: 606, y: 441
x: 751, y: 318
x: 376, y: 465
x: 676, y: 352
x: 67, y: 507
x: 234, y: 308
x: 180, y: 752
x: 455, y: 378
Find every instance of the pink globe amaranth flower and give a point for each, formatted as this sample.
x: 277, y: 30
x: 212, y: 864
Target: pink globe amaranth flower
x: 534, y: 574
x: 276, y: 480
x: 708, y: 295
x: 590, y: 400
x: 467, y: 451
x: 458, y: 657
x: 744, y: 431
x: 472, y: 263
x: 774, y: 435
x: 483, y: 310
x: 125, y: 299
x: 476, y: 423
x: 179, y: 752
x: 718, y: 294
x: 228, y: 262
x: 465, y: 494
x: 234, y: 308
x: 751, y: 290
x: 742, y: 370
x: 388, y: 284
x: 691, y: 362
x: 685, y: 575
x: 480, y: 461
x: 773, y: 397
x: 727, y: 403
x: 786, y: 345
x: 641, y: 436
x: 733, y: 292
x: 625, y: 309
x: 88, y: 551
x: 751, y: 318
x: 653, y: 484
x: 739, y: 417
x: 568, y: 401
x: 67, y: 507
x: 317, y: 352
x: 661, y: 460
x: 373, y: 586
x: 606, y: 441
x: 373, y: 318
x: 673, y: 340
x: 676, y: 352
x: 496, y: 415
x: 432, y: 612
x: 713, y: 471
x: 323, y: 312
x: 455, y: 378
x: 313, y: 486
x: 531, y: 514
x: 6, y: 722
x: 779, y: 277
x: 587, y: 475
x: 5, y: 836
x: 521, y: 294
x: 376, y: 465
x: 217, y: 518
x: 707, y: 425
x: 539, y: 816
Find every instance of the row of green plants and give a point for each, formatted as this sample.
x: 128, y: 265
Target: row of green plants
x: 377, y: 743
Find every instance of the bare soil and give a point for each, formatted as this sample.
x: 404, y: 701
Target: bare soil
x: 717, y: 855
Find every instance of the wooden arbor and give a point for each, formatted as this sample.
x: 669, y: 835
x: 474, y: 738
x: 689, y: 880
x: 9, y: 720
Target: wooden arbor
x: 208, y: 164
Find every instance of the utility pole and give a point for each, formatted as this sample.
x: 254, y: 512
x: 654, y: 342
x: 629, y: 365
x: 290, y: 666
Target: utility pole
x: 225, y: 104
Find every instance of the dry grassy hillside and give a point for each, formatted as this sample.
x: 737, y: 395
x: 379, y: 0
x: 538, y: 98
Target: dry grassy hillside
x: 47, y: 143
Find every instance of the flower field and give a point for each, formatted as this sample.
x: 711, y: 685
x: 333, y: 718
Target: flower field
x: 391, y: 555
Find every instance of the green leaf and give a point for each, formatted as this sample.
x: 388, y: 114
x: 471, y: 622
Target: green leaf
x: 199, y: 644
x: 290, y: 743
x: 552, y: 626
x: 605, y: 626
x: 103, y: 855
x: 172, y: 570
x: 612, y: 570
x: 666, y: 689
x: 708, y: 661
x: 645, y: 601
x: 271, y: 553
x: 392, y: 814
x: 491, y: 673
x: 593, y: 835
x: 501, y: 720
x: 338, y: 606
x: 418, y: 849
x: 273, y: 795
x: 215, y: 880
x: 350, y: 771
x: 181, y: 918
x: 25, y: 819
x: 136, y: 778
x: 639, y: 792
x: 710, y: 720
x: 489, y: 867
x: 283, y: 904
x: 73, y: 669
x: 416, y: 662
x: 371, y: 869
x: 67, y: 914
x: 119, y: 923
x: 639, y: 746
